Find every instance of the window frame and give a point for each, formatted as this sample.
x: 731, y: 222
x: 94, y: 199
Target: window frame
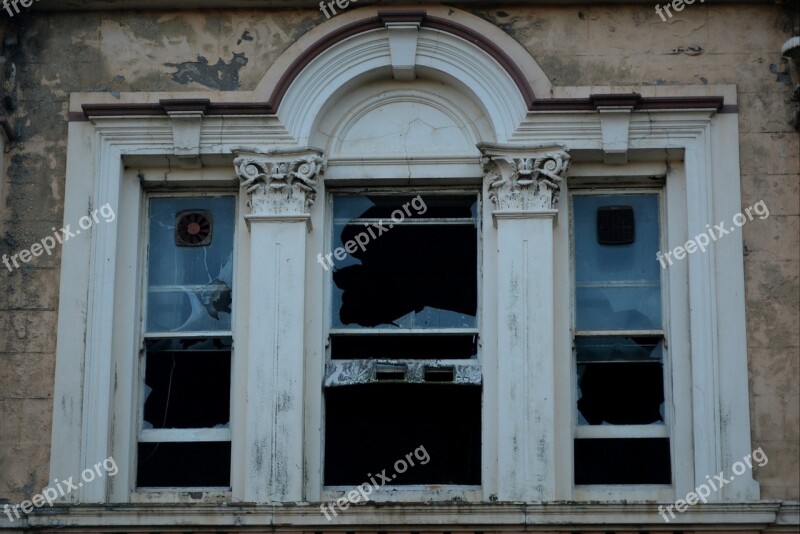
x: 179, y: 435
x: 139, y: 183
x: 409, y: 492
x: 708, y: 167
x: 668, y: 181
x: 653, y: 430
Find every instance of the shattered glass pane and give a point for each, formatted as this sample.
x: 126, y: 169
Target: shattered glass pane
x: 618, y: 287
x: 412, y: 261
x: 190, y: 288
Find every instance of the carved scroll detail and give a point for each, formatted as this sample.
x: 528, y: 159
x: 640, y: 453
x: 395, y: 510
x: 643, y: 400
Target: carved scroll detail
x: 280, y: 182
x: 520, y: 179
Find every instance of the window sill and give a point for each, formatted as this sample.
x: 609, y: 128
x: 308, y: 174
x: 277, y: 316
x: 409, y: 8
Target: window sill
x: 564, y: 516
x: 412, y: 493
x: 193, y: 496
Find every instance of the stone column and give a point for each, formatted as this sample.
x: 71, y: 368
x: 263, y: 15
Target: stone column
x: 281, y: 185
x: 523, y: 186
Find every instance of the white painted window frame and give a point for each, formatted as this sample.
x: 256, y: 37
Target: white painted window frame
x: 177, y: 435
x: 410, y: 492
x: 677, y: 410
x: 96, y: 341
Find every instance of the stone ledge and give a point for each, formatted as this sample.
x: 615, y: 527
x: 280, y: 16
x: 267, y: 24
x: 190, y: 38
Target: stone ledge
x: 769, y: 516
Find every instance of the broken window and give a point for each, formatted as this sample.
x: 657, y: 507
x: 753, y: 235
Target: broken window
x: 184, y: 436
x: 403, y: 368
x: 621, y: 437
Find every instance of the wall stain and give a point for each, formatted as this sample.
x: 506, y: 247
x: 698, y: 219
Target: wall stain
x: 245, y: 37
x: 221, y: 75
x: 781, y: 77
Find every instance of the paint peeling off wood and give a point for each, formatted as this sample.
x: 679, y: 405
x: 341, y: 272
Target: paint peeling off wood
x: 352, y: 372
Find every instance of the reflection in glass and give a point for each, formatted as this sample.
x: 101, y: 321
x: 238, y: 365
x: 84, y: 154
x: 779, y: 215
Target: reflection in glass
x: 618, y: 287
x: 189, y: 287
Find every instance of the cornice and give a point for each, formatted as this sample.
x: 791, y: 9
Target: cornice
x: 770, y: 516
x: 591, y: 104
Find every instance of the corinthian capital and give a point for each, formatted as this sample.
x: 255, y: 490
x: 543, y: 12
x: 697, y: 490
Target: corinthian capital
x: 279, y: 181
x: 524, y: 178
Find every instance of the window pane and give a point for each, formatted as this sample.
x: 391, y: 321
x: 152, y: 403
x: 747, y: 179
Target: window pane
x: 416, y: 266
x: 618, y: 286
x: 363, y: 438
x: 190, y: 264
x: 615, y: 349
x: 622, y: 461
x: 200, y: 464
x: 187, y: 383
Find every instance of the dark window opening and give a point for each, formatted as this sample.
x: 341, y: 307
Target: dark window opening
x: 622, y: 461
x: 193, y: 464
x: 426, y: 263
x: 439, y: 374
x: 370, y: 427
x: 390, y: 372
x: 187, y: 383
x: 404, y: 347
x: 628, y: 393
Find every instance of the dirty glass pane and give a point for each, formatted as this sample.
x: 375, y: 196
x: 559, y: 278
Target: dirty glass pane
x: 190, y: 264
x: 618, y: 287
x: 618, y: 348
x: 404, y: 261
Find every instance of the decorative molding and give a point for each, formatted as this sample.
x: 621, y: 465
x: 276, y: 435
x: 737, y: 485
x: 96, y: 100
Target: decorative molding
x: 561, y: 517
x: 403, y: 49
x: 615, y: 124
x: 279, y: 182
x: 524, y: 178
x: 220, y: 109
x: 634, y: 100
x: 350, y: 372
x: 187, y: 119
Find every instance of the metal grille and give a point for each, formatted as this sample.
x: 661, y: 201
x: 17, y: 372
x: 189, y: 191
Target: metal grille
x: 615, y: 225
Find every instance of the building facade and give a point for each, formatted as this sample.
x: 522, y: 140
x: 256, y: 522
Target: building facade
x: 352, y: 267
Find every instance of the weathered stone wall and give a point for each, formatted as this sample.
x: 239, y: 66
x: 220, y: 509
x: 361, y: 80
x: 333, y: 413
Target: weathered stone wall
x: 60, y: 53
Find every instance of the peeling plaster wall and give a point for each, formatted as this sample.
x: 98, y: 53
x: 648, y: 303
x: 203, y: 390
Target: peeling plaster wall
x: 59, y: 53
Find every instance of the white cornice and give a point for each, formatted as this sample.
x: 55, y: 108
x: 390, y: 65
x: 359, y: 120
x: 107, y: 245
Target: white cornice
x: 769, y: 516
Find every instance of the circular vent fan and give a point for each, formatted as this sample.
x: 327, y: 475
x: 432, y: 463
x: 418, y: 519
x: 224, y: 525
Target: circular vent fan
x: 193, y: 229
